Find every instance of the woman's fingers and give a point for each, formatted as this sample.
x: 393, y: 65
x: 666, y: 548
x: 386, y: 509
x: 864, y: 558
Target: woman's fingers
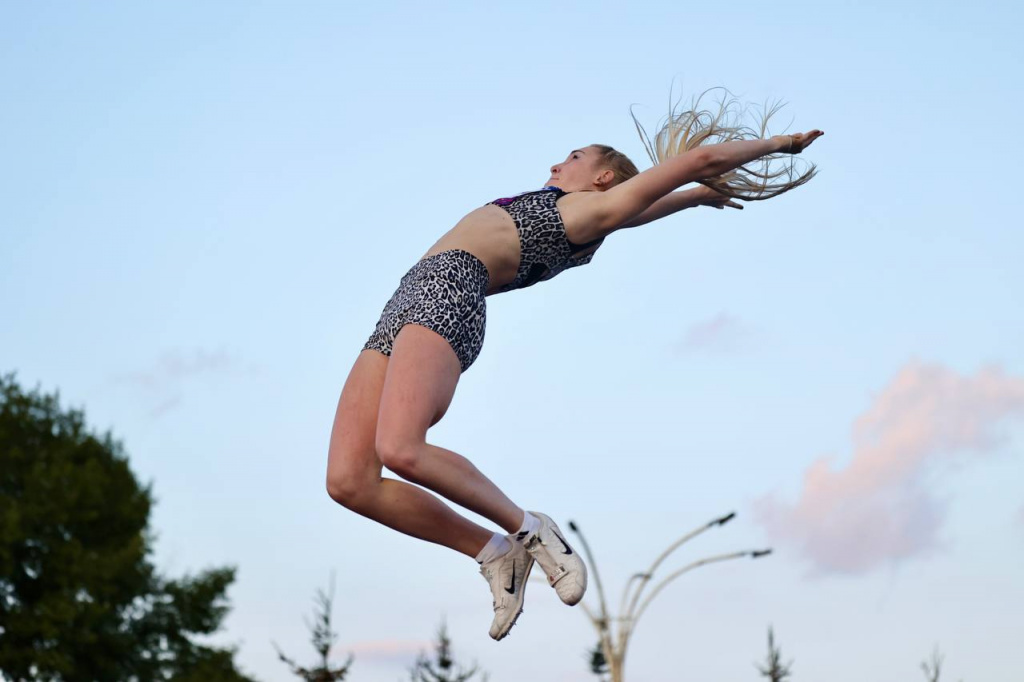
x: 800, y: 141
x: 804, y: 141
x: 730, y: 204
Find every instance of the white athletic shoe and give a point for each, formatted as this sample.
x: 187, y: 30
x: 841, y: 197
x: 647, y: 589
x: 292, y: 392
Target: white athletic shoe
x: 507, y: 577
x: 565, y: 569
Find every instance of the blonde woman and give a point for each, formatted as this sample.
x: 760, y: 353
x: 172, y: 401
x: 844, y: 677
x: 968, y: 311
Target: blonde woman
x: 432, y: 330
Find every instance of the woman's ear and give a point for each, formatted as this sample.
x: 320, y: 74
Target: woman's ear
x: 605, y: 178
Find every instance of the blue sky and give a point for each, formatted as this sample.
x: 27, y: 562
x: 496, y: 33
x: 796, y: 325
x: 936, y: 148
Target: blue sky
x: 203, y: 208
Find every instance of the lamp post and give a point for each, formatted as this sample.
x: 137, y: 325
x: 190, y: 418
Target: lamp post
x: 615, y: 640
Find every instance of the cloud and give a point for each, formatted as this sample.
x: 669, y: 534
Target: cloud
x: 722, y: 333
x: 165, y: 405
x: 390, y: 650
x: 878, y: 509
x: 162, y: 382
x: 176, y: 364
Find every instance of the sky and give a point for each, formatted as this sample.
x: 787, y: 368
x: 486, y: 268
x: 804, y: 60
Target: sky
x: 204, y: 207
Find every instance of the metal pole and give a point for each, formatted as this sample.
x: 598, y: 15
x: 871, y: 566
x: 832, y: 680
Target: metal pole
x: 614, y: 647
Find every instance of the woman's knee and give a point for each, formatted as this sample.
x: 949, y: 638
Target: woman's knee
x: 341, y: 489
x: 399, y: 454
x: 350, y: 489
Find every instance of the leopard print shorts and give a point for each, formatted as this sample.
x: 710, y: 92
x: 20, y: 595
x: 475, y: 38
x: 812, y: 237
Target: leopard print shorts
x: 444, y: 293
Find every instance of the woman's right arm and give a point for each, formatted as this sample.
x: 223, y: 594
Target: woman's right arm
x: 673, y: 202
x: 621, y: 204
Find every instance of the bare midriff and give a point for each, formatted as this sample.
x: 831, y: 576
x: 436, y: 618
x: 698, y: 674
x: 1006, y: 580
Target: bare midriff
x: 490, y: 234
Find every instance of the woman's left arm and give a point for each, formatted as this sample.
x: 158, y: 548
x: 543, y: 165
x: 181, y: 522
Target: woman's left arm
x: 681, y: 200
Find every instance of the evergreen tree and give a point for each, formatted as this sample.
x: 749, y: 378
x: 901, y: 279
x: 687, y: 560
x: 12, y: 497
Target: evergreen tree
x: 79, y: 596
x: 933, y: 669
x: 323, y: 639
x: 598, y: 662
x: 773, y: 668
x: 445, y: 668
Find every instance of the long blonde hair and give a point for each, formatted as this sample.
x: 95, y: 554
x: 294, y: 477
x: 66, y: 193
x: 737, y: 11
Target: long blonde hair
x: 682, y: 131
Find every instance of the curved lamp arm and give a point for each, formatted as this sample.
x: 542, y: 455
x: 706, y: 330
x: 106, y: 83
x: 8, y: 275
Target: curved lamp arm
x: 646, y: 577
x: 754, y: 554
x: 597, y: 576
x: 625, y: 592
x: 603, y: 633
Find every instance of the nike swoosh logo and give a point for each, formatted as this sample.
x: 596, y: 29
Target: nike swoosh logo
x: 568, y: 550
x: 511, y: 589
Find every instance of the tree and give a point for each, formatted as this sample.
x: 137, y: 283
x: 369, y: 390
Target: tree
x: 598, y: 662
x: 933, y: 669
x: 773, y: 668
x: 445, y: 669
x: 323, y: 639
x: 79, y: 596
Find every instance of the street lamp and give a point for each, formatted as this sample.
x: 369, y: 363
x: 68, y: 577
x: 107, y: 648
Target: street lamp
x: 614, y: 641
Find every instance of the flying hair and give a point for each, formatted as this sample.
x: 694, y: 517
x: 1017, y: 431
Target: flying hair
x: 725, y: 121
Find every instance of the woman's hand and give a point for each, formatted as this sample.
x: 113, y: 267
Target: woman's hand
x: 796, y: 143
x: 709, y: 197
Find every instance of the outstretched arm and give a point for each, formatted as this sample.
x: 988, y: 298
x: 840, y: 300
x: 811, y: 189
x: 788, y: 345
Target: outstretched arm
x: 625, y: 203
x: 674, y: 202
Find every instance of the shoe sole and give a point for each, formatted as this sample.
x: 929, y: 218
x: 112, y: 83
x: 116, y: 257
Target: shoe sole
x: 522, y: 599
x: 580, y: 566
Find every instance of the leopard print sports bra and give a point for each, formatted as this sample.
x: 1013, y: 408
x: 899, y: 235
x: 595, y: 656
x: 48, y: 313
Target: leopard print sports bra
x: 544, y: 248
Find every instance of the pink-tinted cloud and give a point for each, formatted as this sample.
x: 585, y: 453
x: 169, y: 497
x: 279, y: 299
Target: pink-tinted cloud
x: 390, y: 650
x: 878, y: 509
x: 721, y: 333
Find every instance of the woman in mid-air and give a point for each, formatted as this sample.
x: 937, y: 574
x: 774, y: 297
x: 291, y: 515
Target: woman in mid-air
x: 432, y: 330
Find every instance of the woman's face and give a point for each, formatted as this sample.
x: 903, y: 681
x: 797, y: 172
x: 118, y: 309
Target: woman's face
x: 577, y: 172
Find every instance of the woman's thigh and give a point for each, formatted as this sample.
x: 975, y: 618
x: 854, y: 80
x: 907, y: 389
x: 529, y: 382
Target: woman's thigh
x: 352, y: 457
x: 421, y: 378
